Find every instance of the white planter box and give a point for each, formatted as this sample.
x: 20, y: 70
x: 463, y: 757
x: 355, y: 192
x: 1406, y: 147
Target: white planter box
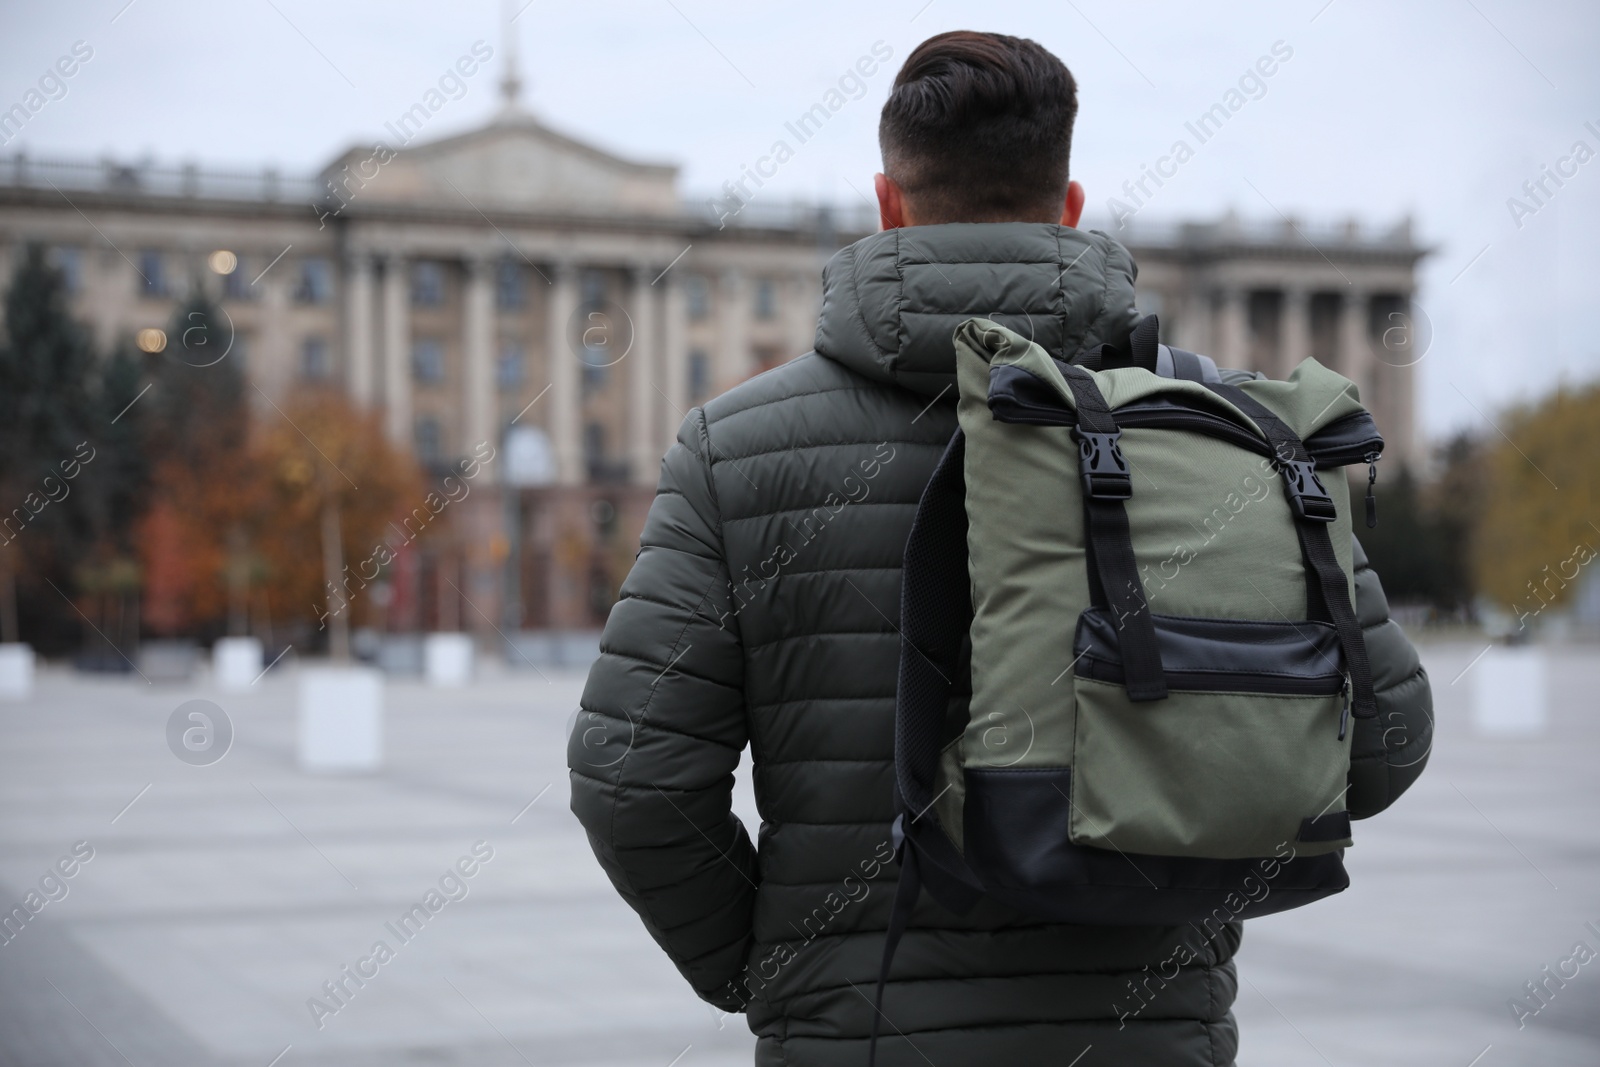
x: 236, y: 662
x: 447, y: 659
x: 1509, y: 696
x: 341, y: 719
x: 16, y: 671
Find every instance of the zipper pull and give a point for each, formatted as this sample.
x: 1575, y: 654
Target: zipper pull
x: 1372, y: 500
x: 1344, y: 712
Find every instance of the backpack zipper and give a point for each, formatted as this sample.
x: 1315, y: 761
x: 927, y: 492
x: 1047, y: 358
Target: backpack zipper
x: 1371, y: 459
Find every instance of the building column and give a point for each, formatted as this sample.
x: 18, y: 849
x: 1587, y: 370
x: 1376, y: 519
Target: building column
x: 1229, y: 329
x: 566, y: 397
x: 1294, y: 331
x: 643, y: 363
x: 396, y: 352
x: 733, y: 354
x: 800, y: 317
x: 358, y: 329
x: 1399, y: 393
x: 477, y: 345
x: 675, y: 357
x: 277, y: 366
x: 1355, y: 348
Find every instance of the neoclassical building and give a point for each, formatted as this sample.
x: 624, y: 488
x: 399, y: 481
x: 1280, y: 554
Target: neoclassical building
x: 515, y: 287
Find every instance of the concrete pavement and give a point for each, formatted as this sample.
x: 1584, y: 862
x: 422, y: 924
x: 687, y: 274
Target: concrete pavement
x: 223, y: 897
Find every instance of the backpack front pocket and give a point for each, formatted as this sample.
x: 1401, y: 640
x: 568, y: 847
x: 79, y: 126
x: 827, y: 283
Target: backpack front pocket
x: 1242, y: 759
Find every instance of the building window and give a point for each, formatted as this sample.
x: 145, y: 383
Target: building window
x: 236, y: 285
x: 152, y: 275
x: 510, y: 286
x: 69, y: 261
x: 766, y: 299
x: 315, y: 366
x: 427, y: 360
x: 315, y: 285
x: 593, y: 288
x: 427, y: 284
x: 594, y: 447
x: 511, y: 369
x: 699, y: 375
x: 768, y: 356
x: 698, y: 295
x: 429, y: 441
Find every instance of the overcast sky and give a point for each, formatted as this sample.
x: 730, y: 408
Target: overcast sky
x: 1438, y: 110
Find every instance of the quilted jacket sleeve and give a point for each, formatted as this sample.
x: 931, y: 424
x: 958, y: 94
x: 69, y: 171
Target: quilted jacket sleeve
x: 659, y: 732
x: 1388, y: 751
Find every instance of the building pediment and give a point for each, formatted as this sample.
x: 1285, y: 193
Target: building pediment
x: 515, y: 163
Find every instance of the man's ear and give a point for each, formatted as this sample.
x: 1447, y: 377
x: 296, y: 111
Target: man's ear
x: 1072, y: 211
x: 891, y: 203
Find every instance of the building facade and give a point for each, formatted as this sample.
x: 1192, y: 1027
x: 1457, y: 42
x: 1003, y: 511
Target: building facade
x: 516, y: 289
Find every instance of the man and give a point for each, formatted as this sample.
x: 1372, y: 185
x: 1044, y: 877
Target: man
x: 762, y: 610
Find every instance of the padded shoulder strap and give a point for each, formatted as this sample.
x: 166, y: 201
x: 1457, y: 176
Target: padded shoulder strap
x: 935, y: 615
x: 1178, y: 363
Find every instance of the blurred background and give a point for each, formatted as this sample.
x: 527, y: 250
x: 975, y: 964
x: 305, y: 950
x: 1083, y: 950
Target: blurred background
x: 340, y: 347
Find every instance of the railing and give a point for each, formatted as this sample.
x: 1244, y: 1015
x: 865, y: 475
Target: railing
x: 147, y: 179
x: 1232, y: 230
x: 855, y: 217
x: 774, y: 214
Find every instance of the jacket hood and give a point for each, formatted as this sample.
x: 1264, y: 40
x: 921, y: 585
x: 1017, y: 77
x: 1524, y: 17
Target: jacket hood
x: 891, y: 301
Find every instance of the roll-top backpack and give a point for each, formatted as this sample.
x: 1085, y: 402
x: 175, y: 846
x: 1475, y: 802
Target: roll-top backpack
x: 1137, y: 561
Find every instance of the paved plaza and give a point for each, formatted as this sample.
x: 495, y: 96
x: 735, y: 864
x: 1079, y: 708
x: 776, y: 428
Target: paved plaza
x: 218, y: 899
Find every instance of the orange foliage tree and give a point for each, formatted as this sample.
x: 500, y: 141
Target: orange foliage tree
x: 201, y: 495
x: 332, y: 482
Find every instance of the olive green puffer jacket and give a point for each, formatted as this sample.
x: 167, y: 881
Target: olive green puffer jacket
x: 763, y: 609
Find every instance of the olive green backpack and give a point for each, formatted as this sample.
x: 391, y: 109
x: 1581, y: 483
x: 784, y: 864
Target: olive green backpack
x: 1154, y: 589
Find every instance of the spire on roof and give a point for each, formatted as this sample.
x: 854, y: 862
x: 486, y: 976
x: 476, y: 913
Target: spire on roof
x: 510, y: 80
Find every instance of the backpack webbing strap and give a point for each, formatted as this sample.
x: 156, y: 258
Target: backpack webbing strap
x: 1139, y: 350
x: 1327, y: 589
x: 905, y: 899
x: 1113, y: 569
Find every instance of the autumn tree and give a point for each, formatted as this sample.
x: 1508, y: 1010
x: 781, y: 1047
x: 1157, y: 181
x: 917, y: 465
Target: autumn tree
x: 1541, y: 519
x: 333, y: 484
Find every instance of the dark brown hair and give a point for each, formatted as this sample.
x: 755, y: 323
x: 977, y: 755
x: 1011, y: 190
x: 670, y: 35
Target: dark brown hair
x: 978, y: 128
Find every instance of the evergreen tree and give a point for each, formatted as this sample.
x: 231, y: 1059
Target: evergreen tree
x: 46, y: 429
x: 197, y: 433
x: 197, y: 399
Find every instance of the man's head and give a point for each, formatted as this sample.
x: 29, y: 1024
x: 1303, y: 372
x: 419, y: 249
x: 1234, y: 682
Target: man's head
x: 978, y: 128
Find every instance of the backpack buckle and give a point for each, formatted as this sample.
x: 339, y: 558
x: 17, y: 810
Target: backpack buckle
x: 1308, y: 498
x: 1100, y: 464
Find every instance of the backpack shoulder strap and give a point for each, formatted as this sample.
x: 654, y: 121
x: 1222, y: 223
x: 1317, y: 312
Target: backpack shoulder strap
x: 1327, y: 588
x: 1113, y: 569
x: 935, y: 616
x: 1178, y: 363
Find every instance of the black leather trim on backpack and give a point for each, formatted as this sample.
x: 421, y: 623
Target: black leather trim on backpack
x: 1331, y: 826
x: 1221, y: 655
x: 1016, y: 832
